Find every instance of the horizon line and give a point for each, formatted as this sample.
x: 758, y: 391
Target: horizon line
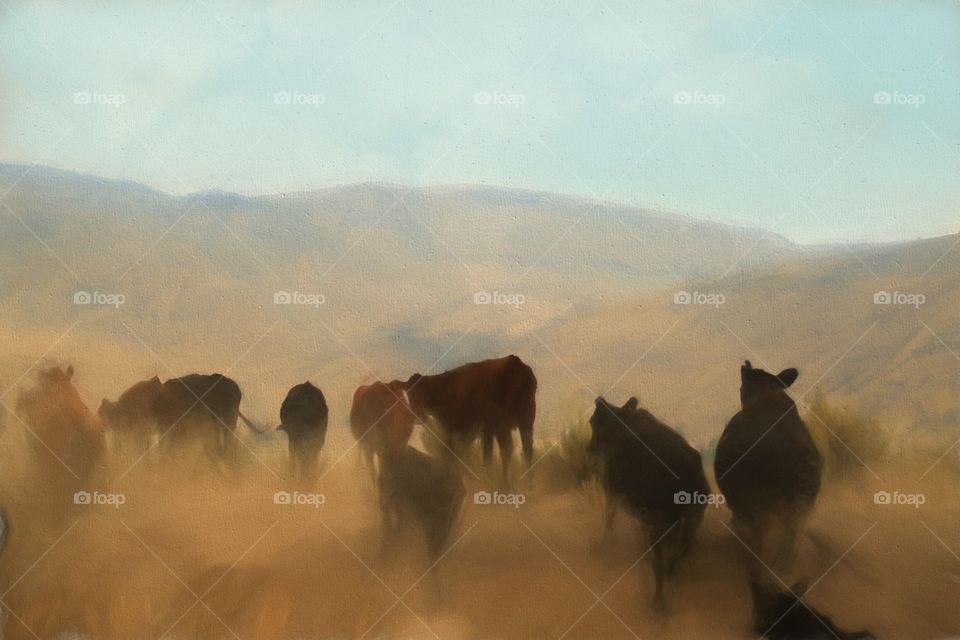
x: 655, y: 209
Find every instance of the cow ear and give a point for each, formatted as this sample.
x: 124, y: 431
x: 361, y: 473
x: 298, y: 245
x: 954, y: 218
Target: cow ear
x: 600, y: 402
x: 799, y: 589
x: 412, y: 380
x: 631, y: 404
x: 745, y: 370
x: 788, y: 376
x: 69, y: 371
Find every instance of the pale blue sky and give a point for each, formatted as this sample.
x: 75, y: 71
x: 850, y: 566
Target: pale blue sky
x: 589, y: 98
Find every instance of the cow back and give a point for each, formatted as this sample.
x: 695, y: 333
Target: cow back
x: 766, y: 458
x: 304, y: 410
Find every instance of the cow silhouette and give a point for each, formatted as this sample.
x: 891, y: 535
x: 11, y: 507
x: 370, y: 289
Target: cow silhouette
x: 133, y: 418
x: 423, y: 491
x: 67, y: 436
x: 653, y: 472
x: 779, y: 614
x: 303, y: 417
x: 768, y: 467
x: 194, y: 408
x: 488, y: 399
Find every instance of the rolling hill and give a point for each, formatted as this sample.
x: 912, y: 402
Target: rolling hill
x: 581, y: 289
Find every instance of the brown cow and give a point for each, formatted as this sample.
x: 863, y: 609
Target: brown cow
x: 380, y: 419
x: 487, y: 399
x: 69, y: 433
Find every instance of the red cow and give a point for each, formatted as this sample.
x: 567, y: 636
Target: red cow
x: 487, y: 399
x: 380, y: 419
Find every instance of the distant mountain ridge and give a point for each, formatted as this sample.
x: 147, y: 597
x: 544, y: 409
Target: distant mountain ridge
x: 400, y: 283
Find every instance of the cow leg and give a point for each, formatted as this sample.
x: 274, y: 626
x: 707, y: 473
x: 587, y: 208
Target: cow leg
x: 505, y: 442
x: 293, y: 449
x: 303, y: 460
x: 683, y: 538
x: 302, y: 457
x: 526, y: 441
x: 752, y: 536
x: 228, y: 433
x: 610, y: 514
x: 659, y: 571
x: 213, y: 444
x: 312, y: 453
x: 437, y: 530
x: 391, y: 530
x: 525, y: 427
x: 487, y: 440
x: 368, y: 453
x: 788, y: 527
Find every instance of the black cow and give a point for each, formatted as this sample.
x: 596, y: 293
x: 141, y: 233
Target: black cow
x: 418, y: 489
x: 768, y: 466
x: 782, y: 615
x: 651, y: 470
x: 201, y: 406
x: 194, y: 408
x: 303, y: 417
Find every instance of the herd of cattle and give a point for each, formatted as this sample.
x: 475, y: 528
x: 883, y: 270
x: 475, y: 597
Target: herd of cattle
x: 766, y: 464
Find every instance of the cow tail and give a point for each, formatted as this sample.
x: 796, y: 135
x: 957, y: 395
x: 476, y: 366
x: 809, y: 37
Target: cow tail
x: 253, y: 427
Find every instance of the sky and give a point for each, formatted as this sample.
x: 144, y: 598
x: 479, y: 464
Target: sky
x: 821, y: 120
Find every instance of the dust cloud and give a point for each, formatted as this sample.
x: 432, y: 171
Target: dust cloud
x: 163, y: 546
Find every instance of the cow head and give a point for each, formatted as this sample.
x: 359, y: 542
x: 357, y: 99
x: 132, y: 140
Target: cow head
x: 55, y: 376
x: 418, y: 396
x: 754, y: 382
x: 56, y: 395
x: 608, y: 423
x: 107, y: 411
